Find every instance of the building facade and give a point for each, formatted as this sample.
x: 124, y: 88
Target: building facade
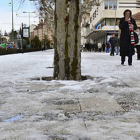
x: 42, y: 30
x: 85, y: 26
x: 105, y: 16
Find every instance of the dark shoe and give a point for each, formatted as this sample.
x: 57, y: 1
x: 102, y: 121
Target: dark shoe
x: 130, y: 64
x: 122, y: 63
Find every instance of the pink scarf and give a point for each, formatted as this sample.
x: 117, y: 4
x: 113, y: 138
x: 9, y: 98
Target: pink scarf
x: 131, y: 32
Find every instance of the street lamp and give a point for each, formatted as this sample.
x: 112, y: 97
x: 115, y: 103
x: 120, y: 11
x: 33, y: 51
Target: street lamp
x: 12, y: 21
x: 115, y: 6
x: 29, y: 23
x: 29, y: 19
x: 12, y: 24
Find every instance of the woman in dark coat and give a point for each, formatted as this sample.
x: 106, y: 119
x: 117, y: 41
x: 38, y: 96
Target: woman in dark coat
x: 127, y: 24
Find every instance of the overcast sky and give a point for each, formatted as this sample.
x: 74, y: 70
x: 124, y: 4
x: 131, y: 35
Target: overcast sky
x: 19, y: 16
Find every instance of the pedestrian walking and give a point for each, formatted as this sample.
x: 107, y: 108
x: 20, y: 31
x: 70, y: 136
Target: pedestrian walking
x: 87, y: 45
x: 138, y: 46
x: 127, y: 42
x: 113, y: 42
x: 117, y: 47
x: 107, y: 47
x: 86, y: 48
x: 89, y: 49
x: 103, y: 47
x: 99, y: 47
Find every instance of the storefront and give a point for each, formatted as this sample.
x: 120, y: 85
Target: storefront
x: 101, y: 36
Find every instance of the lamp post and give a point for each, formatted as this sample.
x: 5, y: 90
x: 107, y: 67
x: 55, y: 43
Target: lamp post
x: 29, y: 23
x: 29, y: 19
x: 115, y: 6
x: 12, y: 21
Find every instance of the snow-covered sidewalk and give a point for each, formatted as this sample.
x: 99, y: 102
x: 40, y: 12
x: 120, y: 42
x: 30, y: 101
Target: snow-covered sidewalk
x: 104, y: 107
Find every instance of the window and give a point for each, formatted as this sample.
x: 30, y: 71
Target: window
x: 94, y: 16
x: 110, y: 4
x: 112, y: 22
x: 90, y: 19
x: 95, y: 13
x: 115, y: 4
x: 97, y: 1
x: 106, y: 4
x: 103, y: 23
x: 108, y: 21
x: 84, y: 20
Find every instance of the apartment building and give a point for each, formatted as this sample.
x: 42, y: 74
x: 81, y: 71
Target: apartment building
x: 32, y: 27
x: 104, y: 18
x: 41, y: 30
x: 48, y: 32
x: 85, y: 26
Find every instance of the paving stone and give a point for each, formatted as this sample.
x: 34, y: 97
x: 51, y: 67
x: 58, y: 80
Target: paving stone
x: 103, y: 103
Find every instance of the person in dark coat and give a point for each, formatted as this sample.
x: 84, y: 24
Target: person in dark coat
x: 127, y: 26
x: 113, y: 42
x: 107, y: 47
x: 103, y: 47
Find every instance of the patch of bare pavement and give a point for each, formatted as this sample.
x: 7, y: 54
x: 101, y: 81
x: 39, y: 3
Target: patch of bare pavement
x: 49, y: 110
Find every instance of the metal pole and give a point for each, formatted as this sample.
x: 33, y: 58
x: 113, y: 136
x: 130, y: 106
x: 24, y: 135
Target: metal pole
x: 115, y: 17
x: 22, y: 38
x: 29, y: 24
x: 29, y: 31
x: 12, y: 23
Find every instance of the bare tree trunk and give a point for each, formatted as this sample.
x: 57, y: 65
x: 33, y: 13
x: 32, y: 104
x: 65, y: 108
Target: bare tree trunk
x: 67, y: 54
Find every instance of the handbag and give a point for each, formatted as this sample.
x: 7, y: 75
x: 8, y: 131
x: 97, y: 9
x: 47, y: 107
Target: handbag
x: 136, y: 38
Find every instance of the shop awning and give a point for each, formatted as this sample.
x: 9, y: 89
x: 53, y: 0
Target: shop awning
x: 97, y: 33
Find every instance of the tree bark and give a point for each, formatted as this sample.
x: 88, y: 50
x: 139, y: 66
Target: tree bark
x: 67, y: 53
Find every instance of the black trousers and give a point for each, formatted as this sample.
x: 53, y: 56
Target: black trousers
x: 129, y: 56
x: 112, y: 50
x: 138, y: 52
